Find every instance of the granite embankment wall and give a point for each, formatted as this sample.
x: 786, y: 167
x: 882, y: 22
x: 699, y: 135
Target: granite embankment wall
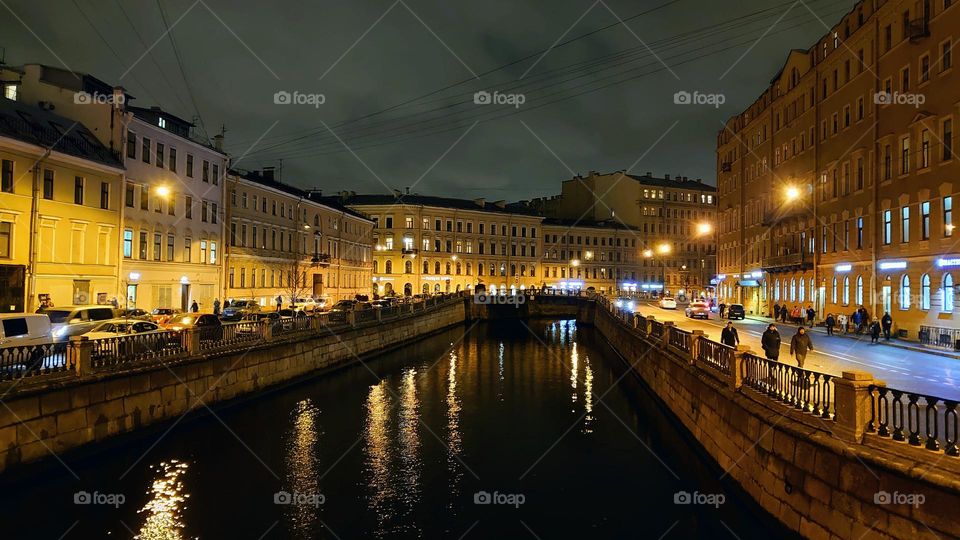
x: 56, y: 415
x: 815, y: 476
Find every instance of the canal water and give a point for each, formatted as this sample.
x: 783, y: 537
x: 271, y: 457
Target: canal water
x: 507, y: 430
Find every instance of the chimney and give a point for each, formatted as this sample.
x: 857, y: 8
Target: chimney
x: 481, y: 202
x: 119, y: 97
x: 218, y: 142
x: 407, y: 189
x: 666, y: 177
x: 397, y: 193
x: 649, y: 174
x: 500, y: 204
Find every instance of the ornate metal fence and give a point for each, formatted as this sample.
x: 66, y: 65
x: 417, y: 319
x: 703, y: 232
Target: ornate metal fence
x: 33, y: 360
x: 715, y: 355
x: 897, y: 414
x: 805, y: 390
x: 125, y: 349
x: 680, y: 339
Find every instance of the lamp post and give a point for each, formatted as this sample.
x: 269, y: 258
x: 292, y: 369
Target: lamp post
x: 662, y: 249
x: 703, y: 229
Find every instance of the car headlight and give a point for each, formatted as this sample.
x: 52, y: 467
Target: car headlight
x: 630, y: 306
x: 60, y: 332
x: 619, y: 303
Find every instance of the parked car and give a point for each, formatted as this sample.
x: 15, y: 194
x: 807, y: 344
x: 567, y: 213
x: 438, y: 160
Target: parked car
x: 344, y: 305
x: 134, y: 313
x: 121, y: 327
x: 736, y: 311
x: 163, y: 315
x: 240, y: 309
x: 668, y: 302
x: 698, y: 310
x: 76, y: 320
x: 305, y: 304
x: 26, y: 343
x: 625, y: 302
x: 211, y: 329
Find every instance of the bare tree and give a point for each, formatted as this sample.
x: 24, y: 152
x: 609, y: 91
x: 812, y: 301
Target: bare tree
x: 294, y: 276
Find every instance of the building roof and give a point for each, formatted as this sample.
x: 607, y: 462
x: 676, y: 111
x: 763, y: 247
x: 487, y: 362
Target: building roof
x: 571, y: 223
x: 257, y: 177
x: 673, y: 183
x: 43, y: 128
x: 478, y: 205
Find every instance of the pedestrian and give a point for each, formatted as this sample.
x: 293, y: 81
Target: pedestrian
x: 875, y: 331
x: 226, y: 303
x: 855, y: 319
x: 776, y: 311
x: 115, y: 303
x: 811, y: 314
x: 830, y: 322
x: 194, y: 307
x: 279, y: 303
x: 887, y: 324
x: 723, y: 309
x: 842, y: 322
x: 800, y: 345
x: 797, y: 315
x: 729, y: 335
x: 770, y: 341
x: 216, y: 306
x: 864, y: 318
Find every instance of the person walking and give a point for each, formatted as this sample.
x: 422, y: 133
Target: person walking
x: 770, y: 341
x: 195, y: 307
x: 842, y: 321
x: 887, y: 324
x: 796, y: 315
x: 811, y: 314
x: 776, y: 311
x: 729, y: 335
x: 830, y: 322
x: 723, y: 309
x: 279, y: 302
x: 800, y: 345
x: 855, y: 319
x: 875, y: 331
x: 216, y: 306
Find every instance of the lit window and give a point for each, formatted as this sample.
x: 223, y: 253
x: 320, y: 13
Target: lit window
x: 925, y: 292
x: 947, y: 292
x: 905, y: 292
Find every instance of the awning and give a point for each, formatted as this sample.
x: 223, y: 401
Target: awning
x: 748, y: 283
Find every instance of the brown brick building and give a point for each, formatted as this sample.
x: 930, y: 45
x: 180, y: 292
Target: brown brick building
x: 837, y: 184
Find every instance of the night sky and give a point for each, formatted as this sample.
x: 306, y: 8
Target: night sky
x: 364, y: 56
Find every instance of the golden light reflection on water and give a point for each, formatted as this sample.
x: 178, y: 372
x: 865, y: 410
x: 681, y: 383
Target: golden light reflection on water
x: 302, y: 461
x: 163, y: 512
x: 409, y: 437
x: 588, y: 397
x: 377, y: 467
x: 454, y: 441
x: 574, y: 371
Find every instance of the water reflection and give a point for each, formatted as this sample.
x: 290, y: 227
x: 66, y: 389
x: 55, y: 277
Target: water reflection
x: 409, y: 438
x: 587, y: 396
x: 303, y: 471
x: 454, y: 442
x: 377, y: 464
x: 164, y: 509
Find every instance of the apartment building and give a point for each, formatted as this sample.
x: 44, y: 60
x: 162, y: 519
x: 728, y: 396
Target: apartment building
x: 859, y: 210
x: 171, y: 243
x: 426, y: 244
x: 60, y: 203
x: 288, y: 242
x: 595, y: 256
x: 673, y: 219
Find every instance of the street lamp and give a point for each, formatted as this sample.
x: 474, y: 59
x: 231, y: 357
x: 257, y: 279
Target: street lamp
x: 792, y: 193
x: 662, y: 249
x: 163, y: 192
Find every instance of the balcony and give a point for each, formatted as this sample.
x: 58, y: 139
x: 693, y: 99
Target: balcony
x: 918, y: 29
x: 789, y: 262
x: 772, y: 217
x: 321, y: 260
x: 409, y: 252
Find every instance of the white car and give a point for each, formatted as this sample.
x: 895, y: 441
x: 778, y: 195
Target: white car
x: 668, y: 302
x: 121, y: 327
x: 626, y: 303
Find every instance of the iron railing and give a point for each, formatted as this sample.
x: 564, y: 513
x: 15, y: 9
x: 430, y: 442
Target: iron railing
x: 656, y: 329
x: 641, y: 324
x: 32, y: 360
x: 805, y: 390
x: 230, y: 334
x: 364, y: 315
x: 936, y: 336
x: 715, y: 355
x: 290, y: 325
x: 124, y: 349
x: 897, y: 414
x: 680, y: 339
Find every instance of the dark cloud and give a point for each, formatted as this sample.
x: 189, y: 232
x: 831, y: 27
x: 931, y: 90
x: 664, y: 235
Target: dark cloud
x: 289, y: 45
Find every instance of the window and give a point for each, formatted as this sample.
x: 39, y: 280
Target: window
x: 170, y: 247
x: 947, y: 293
x: 213, y: 253
x: 948, y: 216
x: 6, y: 181
x: 859, y: 233
x: 216, y: 174
x: 188, y: 207
x: 173, y: 160
x: 833, y: 293
x: 213, y: 212
x: 203, y: 251
x: 172, y: 204
x: 131, y: 145
x: 5, y: 239
x: 160, y: 162
x: 925, y: 292
x: 128, y: 243
x: 48, y: 184
x: 846, y: 290
x: 145, y: 150
x: 905, y: 224
x: 859, y: 293
x: 925, y: 68
x: 144, y: 197
x: 128, y: 195
x: 887, y: 227
x: 925, y: 220
x: 190, y: 165
x: 203, y: 211
x: 105, y: 195
x: 187, y: 249
x: 78, y: 190
x: 156, y: 246
x: 946, y: 56
x: 947, y: 140
x: 904, y: 292
x: 143, y: 245
x: 905, y: 155
x: 205, y: 171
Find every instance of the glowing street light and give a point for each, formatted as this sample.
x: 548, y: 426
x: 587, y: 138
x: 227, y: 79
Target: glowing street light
x: 162, y: 191
x: 663, y: 248
x: 575, y: 262
x: 648, y: 253
x: 793, y: 193
x: 704, y: 228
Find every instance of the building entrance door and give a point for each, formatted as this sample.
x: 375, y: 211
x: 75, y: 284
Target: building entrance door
x: 185, y: 297
x: 885, y: 297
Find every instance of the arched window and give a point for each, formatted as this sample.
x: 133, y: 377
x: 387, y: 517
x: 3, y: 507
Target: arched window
x: 793, y: 289
x: 533, y: 270
x: 859, y: 290
x: 947, y: 293
x: 436, y: 267
x: 925, y: 292
x: 904, y: 292
x: 803, y: 290
x: 513, y: 270
x: 776, y: 291
x: 448, y: 269
x: 388, y: 267
x: 408, y: 267
x: 523, y: 270
x: 833, y: 293
x: 426, y: 267
x: 376, y: 267
x: 846, y: 290
x: 469, y: 269
x: 459, y: 268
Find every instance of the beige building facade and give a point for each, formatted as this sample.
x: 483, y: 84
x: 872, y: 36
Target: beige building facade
x: 595, y: 256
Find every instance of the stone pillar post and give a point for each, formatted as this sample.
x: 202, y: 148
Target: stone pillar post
x: 647, y: 329
x: 191, y: 340
x: 736, y: 368
x: 695, y: 336
x: 266, y: 329
x: 665, y: 340
x: 352, y: 318
x: 379, y: 315
x: 852, y: 403
x: 78, y: 355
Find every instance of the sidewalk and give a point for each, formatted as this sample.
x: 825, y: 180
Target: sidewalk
x: 899, y: 344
